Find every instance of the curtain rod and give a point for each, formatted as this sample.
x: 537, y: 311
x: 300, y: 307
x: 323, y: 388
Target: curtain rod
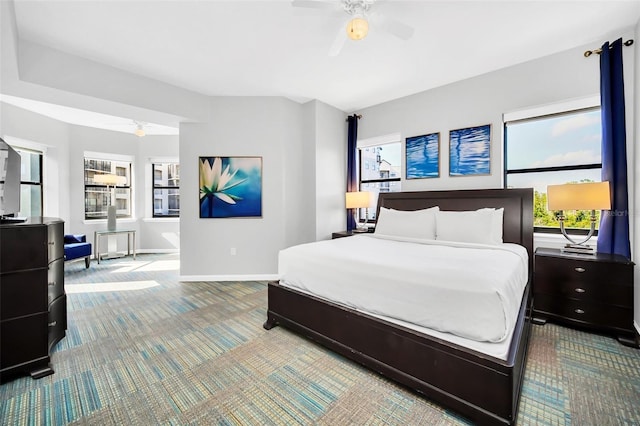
x: 359, y: 116
x: 599, y: 51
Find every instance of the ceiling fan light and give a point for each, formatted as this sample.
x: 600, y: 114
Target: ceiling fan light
x: 139, y: 132
x: 357, y: 28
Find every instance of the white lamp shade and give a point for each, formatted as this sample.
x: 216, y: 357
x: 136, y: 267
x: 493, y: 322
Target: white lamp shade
x: 109, y: 179
x: 358, y: 200
x: 579, y: 196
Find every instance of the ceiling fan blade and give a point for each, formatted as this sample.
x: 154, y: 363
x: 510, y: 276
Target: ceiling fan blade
x: 395, y: 27
x: 338, y: 42
x: 313, y: 4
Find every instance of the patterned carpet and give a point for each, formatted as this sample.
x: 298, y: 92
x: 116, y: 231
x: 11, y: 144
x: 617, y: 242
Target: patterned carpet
x: 143, y: 348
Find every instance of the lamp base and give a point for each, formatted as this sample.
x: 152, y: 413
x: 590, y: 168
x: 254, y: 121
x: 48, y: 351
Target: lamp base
x: 111, y: 218
x: 578, y: 248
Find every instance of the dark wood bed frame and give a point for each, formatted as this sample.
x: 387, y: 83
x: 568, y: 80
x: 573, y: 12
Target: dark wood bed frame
x: 482, y: 388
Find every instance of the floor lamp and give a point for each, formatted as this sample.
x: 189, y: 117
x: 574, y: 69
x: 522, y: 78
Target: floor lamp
x: 111, y: 181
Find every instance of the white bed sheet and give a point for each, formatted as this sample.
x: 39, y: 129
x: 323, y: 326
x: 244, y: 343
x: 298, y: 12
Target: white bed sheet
x: 469, y: 294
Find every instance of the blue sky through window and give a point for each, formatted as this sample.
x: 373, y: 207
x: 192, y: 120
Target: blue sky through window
x: 564, y: 140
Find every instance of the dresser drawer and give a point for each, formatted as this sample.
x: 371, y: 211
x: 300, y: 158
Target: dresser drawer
x: 23, y: 293
x: 55, y: 241
x: 567, y: 270
x: 57, y: 320
x: 55, y: 280
x: 591, y: 313
x: 23, y: 340
x: 23, y: 247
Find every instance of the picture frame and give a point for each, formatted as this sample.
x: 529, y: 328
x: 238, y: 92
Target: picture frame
x: 230, y: 187
x: 470, y: 151
x: 422, y: 156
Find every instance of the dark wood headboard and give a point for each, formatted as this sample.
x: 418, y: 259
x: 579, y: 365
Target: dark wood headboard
x: 517, y: 204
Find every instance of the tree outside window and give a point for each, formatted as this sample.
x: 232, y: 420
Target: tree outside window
x: 550, y: 150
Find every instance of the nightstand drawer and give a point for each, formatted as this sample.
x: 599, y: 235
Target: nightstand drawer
x: 582, y: 272
x: 600, y: 292
x: 595, y: 314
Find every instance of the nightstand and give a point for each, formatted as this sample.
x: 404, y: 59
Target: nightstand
x: 341, y: 234
x: 594, y: 292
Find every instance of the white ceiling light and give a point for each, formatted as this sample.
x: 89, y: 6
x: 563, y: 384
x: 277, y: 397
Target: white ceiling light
x: 139, y: 132
x: 358, y: 26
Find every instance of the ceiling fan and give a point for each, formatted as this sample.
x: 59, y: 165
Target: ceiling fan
x: 357, y: 27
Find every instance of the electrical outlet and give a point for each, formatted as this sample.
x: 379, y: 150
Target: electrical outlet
x: 233, y: 251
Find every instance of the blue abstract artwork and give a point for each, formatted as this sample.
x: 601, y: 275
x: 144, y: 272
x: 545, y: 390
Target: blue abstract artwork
x: 230, y: 187
x: 470, y: 151
x: 423, y: 156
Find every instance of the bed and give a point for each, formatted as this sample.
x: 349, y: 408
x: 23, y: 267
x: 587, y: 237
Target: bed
x: 467, y: 379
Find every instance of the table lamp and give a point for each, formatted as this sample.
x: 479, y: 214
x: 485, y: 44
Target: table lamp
x: 359, y: 200
x: 579, y: 196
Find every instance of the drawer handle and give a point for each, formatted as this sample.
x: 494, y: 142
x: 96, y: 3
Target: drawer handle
x: 580, y: 269
x: 51, y: 284
x: 51, y: 243
x: 580, y: 290
x: 579, y: 311
x: 53, y: 324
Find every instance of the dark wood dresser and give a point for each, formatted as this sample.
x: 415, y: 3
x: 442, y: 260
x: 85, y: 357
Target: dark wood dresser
x: 593, y: 292
x: 33, y: 304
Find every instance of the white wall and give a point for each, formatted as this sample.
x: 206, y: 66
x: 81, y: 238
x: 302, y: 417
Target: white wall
x: 478, y: 101
x: 328, y: 162
x: 302, y: 149
x: 265, y: 127
x: 484, y: 99
x: 64, y: 146
x: 151, y: 235
x: 28, y: 130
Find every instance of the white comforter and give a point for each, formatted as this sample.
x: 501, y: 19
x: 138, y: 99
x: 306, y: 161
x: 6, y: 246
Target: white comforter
x: 470, y: 290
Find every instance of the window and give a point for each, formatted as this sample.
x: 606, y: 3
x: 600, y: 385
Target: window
x: 166, y: 189
x: 30, y: 182
x: 554, y: 149
x: 384, y: 172
x: 98, y: 196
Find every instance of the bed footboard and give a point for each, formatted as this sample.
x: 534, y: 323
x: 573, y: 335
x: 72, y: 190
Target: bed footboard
x: 484, y: 389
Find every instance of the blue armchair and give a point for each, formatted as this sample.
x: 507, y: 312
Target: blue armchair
x: 75, y: 247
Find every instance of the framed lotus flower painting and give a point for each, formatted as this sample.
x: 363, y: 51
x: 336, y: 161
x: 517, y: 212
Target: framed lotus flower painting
x: 230, y: 187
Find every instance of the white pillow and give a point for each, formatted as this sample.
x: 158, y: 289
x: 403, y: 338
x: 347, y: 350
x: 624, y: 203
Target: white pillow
x: 412, y: 224
x: 496, y: 225
x: 479, y: 226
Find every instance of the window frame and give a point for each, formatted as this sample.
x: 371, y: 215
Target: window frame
x: 362, y: 218
x: 154, y: 187
x: 129, y: 186
x: 588, y: 166
x: 33, y: 183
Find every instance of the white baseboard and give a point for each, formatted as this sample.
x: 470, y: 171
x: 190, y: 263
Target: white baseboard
x: 255, y: 277
x: 159, y: 251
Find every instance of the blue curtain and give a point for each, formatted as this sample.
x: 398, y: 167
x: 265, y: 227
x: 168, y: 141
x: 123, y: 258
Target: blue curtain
x: 352, y: 172
x: 613, y: 234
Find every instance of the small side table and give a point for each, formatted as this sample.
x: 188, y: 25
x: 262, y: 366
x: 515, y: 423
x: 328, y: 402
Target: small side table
x: 341, y: 234
x: 131, y: 235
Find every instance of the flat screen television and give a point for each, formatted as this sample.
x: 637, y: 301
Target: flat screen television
x: 9, y: 182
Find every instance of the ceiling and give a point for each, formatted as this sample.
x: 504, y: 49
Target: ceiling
x: 269, y: 48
